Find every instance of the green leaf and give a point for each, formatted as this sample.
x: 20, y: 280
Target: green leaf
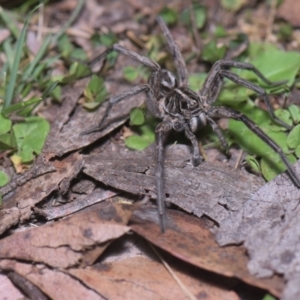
x: 4, y: 179
x: 108, y: 39
x: 91, y: 105
x: 272, y: 165
x: 293, y: 139
x: 297, y: 151
x: 169, y: 15
x: 276, y: 65
x: 283, y: 115
x: 232, y: 5
x: 5, y: 124
x: 30, y: 136
x: 95, y: 92
x: 79, y: 54
x: 140, y: 142
x: 96, y: 84
x: 196, y: 81
x: 268, y: 297
x: 285, y: 31
x: 8, y: 141
x: 77, y: 70
x: 254, y: 145
x: 213, y: 52
x: 253, y: 163
x: 130, y: 73
x: 200, y: 15
x: 137, y: 117
x: 56, y: 93
x: 220, y: 31
x: 145, y: 136
x: 295, y: 113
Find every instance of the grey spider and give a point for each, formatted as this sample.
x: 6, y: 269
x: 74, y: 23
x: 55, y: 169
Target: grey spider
x: 170, y: 99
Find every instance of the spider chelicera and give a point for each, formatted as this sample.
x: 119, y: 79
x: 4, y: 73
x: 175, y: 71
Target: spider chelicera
x: 170, y: 99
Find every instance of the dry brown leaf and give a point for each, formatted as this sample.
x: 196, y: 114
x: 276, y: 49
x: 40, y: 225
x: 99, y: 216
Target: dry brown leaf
x: 8, y: 290
x: 56, y: 285
x: 70, y: 241
x: 142, y: 278
x: 190, y: 239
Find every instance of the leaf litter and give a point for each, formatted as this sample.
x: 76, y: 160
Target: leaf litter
x: 61, y: 251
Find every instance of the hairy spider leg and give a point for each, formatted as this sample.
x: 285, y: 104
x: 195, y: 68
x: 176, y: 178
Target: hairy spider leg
x: 214, y: 81
x: 225, y: 112
x: 174, y: 50
x: 137, y: 57
x: 218, y: 132
x: 113, y: 100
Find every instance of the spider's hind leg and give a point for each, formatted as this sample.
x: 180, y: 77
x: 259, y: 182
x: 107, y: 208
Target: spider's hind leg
x: 225, y: 112
x: 235, y: 78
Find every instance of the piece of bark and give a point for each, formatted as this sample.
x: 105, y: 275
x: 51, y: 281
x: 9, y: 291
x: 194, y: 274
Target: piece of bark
x: 34, y: 191
x: 211, y: 188
x: 268, y: 224
x: 40, y: 167
x: 80, y: 203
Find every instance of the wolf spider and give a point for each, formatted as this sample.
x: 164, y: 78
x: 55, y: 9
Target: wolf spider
x: 168, y: 98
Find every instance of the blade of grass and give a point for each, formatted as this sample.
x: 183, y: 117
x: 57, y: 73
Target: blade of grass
x: 18, y: 54
x: 34, y: 101
x: 9, y: 52
x: 29, y: 70
x: 20, y: 105
x: 9, y: 22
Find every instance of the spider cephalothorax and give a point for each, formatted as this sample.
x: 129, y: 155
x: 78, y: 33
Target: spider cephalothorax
x: 181, y: 109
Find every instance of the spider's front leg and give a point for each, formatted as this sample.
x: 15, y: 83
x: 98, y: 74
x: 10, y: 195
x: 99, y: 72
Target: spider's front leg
x: 113, y: 100
x: 161, y: 131
x: 225, y: 112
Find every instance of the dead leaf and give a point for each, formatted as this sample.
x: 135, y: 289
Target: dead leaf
x: 8, y: 290
x: 66, y: 243
x: 142, y: 278
x: 55, y: 284
x: 29, y: 289
x: 190, y: 239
